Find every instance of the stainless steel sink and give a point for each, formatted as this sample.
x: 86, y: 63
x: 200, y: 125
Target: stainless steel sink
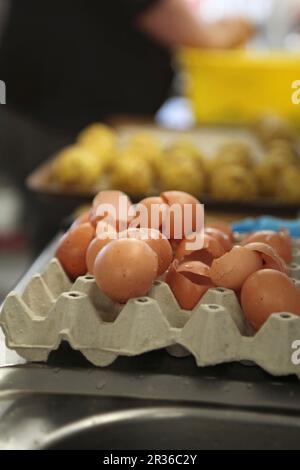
x: 165, y: 428
x: 30, y: 421
x: 146, y: 403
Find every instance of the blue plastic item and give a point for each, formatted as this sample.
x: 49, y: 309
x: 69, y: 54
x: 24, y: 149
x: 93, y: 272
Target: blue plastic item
x: 268, y: 223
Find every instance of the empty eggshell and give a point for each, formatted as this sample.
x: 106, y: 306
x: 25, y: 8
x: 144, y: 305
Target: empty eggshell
x: 125, y: 269
x: 118, y: 216
x: 266, y: 292
x: 223, y: 227
x: 211, y: 249
x: 195, y: 271
x: 154, y: 212
x: 189, y: 206
x: 110, y: 197
x: 279, y: 241
x: 270, y: 258
x: 221, y: 237
x: 82, y: 219
x: 233, y: 268
x: 178, y: 197
x: 186, y: 292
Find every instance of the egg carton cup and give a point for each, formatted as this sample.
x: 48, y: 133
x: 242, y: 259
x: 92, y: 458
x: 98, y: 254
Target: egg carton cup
x: 52, y: 309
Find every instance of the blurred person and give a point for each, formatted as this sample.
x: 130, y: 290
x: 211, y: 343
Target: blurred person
x: 68, y: 63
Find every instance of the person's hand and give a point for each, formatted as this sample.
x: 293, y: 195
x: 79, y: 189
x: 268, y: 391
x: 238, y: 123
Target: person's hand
x: 174, y: 24
x: 227, y: 34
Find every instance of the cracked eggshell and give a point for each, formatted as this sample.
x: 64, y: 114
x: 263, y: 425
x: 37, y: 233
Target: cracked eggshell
x: 270, y: 258
x: 223, y: 227
x: 187, y: 292
x: 82, y: 219
x: 195, y: 271
x: 221, y: 237
x: 280, y: 241
x: 183, y: 200
x: 232, y: 269
x: 211, y: 249
x: 152, y: 206
x: 113, y: 198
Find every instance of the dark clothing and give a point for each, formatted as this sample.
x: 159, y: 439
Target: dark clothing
x: 67, y: 63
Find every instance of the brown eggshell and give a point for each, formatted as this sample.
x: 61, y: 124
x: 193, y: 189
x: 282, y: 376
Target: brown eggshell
x: 72, y: 248
x: 122, y: 219
x: 196, y: 272
x: 266, y: 292
x: 125, y: 269
x: 270, y: 258
x: 187, y: 293
x: 211, y: 249
x: 157, y: 242
x: 232, y: 269
x: 82, y: 219
x: 94, y: 248
x: 181, y: 199
x: 223, y: 227
x: 178, y: 197
x: 153, y: 206
x: 221, y: 237
x: 104, y: 229
x: 110, y: 197
x: 280, y: 241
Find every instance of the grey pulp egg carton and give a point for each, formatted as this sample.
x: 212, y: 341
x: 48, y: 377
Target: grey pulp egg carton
x: 52, y: 309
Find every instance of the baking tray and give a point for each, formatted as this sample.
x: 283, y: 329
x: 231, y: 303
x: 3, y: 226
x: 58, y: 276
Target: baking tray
x: 207, y: 138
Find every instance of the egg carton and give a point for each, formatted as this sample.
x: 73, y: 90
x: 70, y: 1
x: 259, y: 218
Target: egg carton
x: 52, y: 309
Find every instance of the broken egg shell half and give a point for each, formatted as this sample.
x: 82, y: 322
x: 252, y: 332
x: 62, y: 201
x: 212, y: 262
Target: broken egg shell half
x: 279, y: 241
x: 223, y: 227
x: 221, y: 237
x: 153, y: 214
x: 180, y: 280
x: 270, y: 258
x: 185, y: 202
x: 82, y: 219
x: 210, y: 250
x: 232, y: 269
x: 118, y: 201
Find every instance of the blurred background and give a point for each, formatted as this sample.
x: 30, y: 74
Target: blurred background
x: 68, y: 64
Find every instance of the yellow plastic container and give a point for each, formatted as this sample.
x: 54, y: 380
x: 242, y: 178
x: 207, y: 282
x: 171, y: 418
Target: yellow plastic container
x: 239, y: 86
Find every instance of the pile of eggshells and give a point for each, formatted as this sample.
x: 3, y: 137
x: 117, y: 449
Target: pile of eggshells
x: 126, y: 263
